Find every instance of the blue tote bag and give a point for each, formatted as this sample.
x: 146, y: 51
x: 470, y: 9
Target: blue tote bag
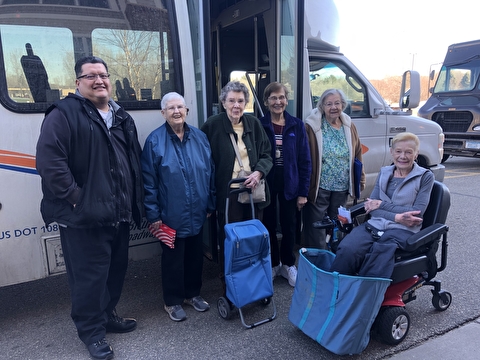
x: 335, y: 310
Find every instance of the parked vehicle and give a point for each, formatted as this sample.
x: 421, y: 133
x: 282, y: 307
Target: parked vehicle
x: 455, y: 99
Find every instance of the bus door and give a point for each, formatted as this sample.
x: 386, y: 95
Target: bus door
x: 240, y: 48
x: 239, y: 51
x: 254, y: 44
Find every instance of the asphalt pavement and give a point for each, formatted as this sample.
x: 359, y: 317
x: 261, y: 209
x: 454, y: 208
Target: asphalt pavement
x: 35, y: 322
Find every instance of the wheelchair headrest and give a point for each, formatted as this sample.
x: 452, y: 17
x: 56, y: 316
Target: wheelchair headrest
x: 438, y: 205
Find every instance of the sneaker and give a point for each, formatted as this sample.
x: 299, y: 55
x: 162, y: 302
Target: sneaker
x: 198, y: 303
x: 175, y: 312
x: 276, y: 271
x: 289, y: 273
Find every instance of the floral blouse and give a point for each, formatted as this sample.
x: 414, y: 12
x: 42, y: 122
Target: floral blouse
x: 335, y: 159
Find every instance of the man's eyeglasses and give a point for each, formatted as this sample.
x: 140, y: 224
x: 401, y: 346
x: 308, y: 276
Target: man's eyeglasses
x: 94, y: 76
x: 275, y: 98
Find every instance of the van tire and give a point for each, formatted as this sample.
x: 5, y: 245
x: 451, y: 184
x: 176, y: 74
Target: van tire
x: 422, y: 162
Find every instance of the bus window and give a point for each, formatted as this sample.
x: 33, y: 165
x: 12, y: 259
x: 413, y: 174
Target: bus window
x: 90, y: 3
x: 327, y: 75
x: 141, y: 49
x: 36, y: 62
x: 134, y: 58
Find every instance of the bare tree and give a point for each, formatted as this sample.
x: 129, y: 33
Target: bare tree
x: 135, y: 55
x: 15, y: 76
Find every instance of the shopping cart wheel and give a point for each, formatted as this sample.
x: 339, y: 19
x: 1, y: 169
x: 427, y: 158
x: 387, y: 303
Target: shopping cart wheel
x: 266, y: 301
x: 393, y: 325
x: 223, y: 307
x: 441, y: 300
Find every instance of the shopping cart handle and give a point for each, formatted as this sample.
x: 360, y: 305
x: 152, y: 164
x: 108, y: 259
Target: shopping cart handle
x: 239, y: 190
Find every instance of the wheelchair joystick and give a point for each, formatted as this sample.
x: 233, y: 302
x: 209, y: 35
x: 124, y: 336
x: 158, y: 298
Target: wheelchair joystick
x: 332, y: 227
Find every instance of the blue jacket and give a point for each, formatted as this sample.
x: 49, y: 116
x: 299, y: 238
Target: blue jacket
x: 297, y: 165
x: 179, y: 179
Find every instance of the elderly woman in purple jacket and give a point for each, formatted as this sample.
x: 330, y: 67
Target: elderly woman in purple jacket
x: 288, y: 180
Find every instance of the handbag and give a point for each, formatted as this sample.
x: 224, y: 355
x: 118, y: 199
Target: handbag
x: 258, y: 193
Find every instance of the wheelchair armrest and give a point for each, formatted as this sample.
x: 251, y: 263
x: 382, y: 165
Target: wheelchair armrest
x: 425, y: 236
x: 357, y: 210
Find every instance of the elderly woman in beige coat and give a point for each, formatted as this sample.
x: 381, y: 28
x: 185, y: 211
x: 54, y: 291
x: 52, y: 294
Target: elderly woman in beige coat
x: 334, y: 145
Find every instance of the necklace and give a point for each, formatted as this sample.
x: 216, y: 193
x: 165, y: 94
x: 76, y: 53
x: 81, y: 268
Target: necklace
x: 395, y: 181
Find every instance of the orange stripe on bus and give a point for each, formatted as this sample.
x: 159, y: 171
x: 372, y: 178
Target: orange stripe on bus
x: 28, y: 161
x: 14, y: 153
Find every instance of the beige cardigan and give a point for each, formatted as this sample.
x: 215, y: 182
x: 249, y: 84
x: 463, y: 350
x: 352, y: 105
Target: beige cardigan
x: 314, y: 134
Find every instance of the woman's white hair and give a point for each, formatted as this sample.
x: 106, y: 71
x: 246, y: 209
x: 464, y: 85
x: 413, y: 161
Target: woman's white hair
x: 171, y: 96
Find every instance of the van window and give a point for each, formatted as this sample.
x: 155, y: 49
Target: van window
x: 325, y: 74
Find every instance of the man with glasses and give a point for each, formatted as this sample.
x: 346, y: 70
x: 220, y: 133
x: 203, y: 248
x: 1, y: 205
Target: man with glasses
x: 88, y: 157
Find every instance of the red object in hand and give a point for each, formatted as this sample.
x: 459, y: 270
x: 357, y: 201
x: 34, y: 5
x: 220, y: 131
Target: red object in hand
x: 165, y: 234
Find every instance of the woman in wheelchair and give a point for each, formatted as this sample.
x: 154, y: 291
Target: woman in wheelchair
x: 396, y: 206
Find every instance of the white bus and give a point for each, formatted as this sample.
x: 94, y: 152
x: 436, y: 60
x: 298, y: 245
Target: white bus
x: 152, y: 47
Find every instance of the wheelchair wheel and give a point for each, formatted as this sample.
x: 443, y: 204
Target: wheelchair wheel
x: 393, y: 325
x: 224, y: 308
x: 441, y: 300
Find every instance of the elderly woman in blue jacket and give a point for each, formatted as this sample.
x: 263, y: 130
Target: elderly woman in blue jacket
x: 396, y: 207
x: 179, y: 182
x: 288, y: 180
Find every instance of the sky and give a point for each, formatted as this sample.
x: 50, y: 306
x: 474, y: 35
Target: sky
x: 387, y: 37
